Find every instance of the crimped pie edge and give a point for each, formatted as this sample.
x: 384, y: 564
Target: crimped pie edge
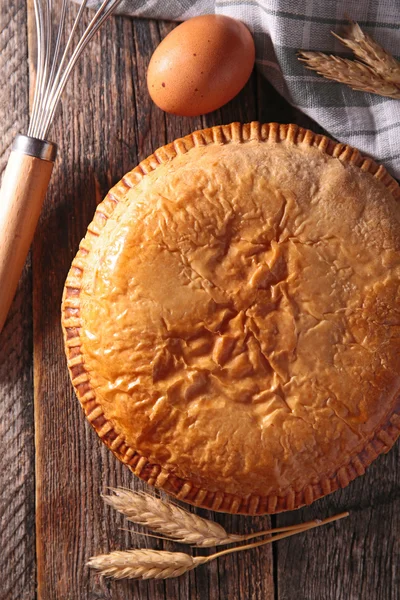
x: 154, y: 474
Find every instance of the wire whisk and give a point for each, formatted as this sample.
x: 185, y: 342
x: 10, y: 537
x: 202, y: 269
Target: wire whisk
x: 54, y: 69
x: 30, y: 165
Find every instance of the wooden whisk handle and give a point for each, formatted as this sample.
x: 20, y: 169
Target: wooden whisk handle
x: 23, y: 190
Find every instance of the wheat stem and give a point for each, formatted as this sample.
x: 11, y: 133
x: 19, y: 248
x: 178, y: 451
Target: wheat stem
x: 144, y: 564
x: 370, y: 52
x: 177, y: 524
x: 353, y: 73
x: 239, y: 538
x: 379, y: 73
x: 168, y: 519
x: 160, y: 564
x: 280, y: 536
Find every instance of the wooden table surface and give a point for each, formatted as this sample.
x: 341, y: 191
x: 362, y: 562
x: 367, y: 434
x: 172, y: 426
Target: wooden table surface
x: 52, y: 465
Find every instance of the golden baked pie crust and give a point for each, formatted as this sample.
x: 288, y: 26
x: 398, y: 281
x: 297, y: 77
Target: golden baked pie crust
x: 155, y: 474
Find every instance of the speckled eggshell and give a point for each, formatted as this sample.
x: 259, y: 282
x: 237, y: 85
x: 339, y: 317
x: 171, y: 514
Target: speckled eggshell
x: 201, y: 65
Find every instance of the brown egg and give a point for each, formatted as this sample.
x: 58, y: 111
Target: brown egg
x: 201, y: 65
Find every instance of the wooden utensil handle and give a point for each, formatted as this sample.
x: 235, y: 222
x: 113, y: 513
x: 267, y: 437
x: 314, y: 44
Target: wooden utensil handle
x: 24, y: 187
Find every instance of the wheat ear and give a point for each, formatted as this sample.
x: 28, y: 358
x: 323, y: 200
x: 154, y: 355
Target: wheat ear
x: 353, y: 73
x: 159, y: 564
x: 370, y: 52
x: 175, y: 522
x: 145, y: 564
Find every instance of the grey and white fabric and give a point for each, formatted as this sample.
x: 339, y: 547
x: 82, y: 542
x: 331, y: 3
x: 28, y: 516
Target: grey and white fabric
x: 280, y: 29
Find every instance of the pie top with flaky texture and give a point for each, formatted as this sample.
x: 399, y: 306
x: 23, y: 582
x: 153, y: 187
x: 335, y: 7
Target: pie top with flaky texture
x: 232, y: 319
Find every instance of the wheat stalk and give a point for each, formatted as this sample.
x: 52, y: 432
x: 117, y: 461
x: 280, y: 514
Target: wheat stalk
x: 353, y: 73
x: 145, y: 564
x: 159, y: 564
x: 379, y: 73
x: 176, y: 523
x: 168, y: 519
x: 370, y: 52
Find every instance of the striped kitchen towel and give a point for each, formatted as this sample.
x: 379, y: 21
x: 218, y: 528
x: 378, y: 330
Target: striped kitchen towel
x: 282, y: 27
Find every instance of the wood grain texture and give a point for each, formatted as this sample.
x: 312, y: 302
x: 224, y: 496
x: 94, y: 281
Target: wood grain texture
x: 72, y: 465
x: 354, y: 558
x: 105, y: 126
x: 358, y: 557
x: 17, y: 498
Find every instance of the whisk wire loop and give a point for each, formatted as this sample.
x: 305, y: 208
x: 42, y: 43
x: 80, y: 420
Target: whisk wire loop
x: 31, y: 161
x: 53, y: 73
x: 50, y: 104
x: 57, y: 48
x: 39, y: 69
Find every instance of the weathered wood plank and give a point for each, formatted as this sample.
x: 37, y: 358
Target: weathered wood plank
x: 354, y: 558
x: 96, y: 144
x: 106, y: 125
x: 97, y: 132
x: 72, y: 466
x: 358, y: 557
x: 17, y: 498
